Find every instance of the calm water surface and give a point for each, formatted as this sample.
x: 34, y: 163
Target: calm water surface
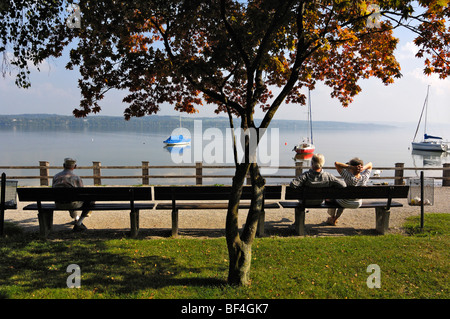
x: 383, y: 147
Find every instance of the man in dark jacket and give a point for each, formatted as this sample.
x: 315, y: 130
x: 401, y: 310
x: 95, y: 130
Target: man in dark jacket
x: 67, y: 178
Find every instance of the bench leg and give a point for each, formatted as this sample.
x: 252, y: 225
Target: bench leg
x: 299, y: 221
x: 134, y: 221
x: 45, y: 218
x: 382, y: 220
x: 175, y: 222
x: 260, y: 228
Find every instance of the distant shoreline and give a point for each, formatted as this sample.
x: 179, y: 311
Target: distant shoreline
x: 54, y: 121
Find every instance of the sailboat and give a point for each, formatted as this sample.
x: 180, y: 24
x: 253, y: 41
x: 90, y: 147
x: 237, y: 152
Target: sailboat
x: 174, y: 140
x: 177, y: 140
x: 307, y: 146
x: 429, y: 143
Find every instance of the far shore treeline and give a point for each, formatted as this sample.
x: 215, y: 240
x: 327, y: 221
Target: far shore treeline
x: 159, y: 122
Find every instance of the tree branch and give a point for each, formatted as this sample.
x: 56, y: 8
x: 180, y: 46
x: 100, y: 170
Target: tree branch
x: 230, y: 30
x: 299, y: 59
x: 189, y: 78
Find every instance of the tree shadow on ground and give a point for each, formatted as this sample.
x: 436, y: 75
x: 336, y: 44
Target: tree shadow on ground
x: 42, y: 264
x: 285, y: 228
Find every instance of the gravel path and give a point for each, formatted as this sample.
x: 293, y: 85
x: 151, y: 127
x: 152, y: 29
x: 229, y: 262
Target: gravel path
x: 210, y: 223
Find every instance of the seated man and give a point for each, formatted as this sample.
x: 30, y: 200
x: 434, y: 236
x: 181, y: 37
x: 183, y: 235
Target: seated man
x: 354, y: 173
x: 316, y: 177
x: 67, y: 178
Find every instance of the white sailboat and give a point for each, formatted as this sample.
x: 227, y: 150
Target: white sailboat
x: 429, y: 143
x: 307, y: 146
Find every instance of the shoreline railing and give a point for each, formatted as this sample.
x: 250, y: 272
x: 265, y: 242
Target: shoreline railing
x: 145, y: 173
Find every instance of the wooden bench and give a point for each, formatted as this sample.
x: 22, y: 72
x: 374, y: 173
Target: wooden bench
x: 382, y: 206
x: 182, y: 197
x: 126, y: 195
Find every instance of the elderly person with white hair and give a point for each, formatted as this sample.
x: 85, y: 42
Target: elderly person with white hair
x: 67, y: 178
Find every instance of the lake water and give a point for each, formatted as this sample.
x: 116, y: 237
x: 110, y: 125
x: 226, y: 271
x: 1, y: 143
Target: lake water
x: 383, y: 147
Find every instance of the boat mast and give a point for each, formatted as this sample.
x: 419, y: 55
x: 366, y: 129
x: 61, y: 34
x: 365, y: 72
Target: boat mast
x: 426, y: 115
x: 310, y: 116
x: 425, y: 107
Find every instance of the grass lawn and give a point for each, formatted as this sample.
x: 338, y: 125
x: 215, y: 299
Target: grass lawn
x: 412, y: 266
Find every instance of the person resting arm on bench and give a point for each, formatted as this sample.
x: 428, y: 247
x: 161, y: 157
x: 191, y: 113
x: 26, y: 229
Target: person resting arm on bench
x: 354, y: 173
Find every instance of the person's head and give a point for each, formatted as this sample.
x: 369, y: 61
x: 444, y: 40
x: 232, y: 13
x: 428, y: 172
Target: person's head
x: 317, y: 162
x: 356, y: 165
x: 70, y: 163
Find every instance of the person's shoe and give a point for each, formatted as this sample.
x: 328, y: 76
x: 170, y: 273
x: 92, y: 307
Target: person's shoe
x: 75, y: 220
x: 78, y: 228
x: 332, y: 221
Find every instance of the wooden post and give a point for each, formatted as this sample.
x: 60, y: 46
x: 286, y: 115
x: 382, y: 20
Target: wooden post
x: 43, y: 172
x: 399, y: 173
x: 97, y: 173
x: 145, y: 173
x: 299, y: 223
x: 134, y: 221
x: 198, y: 173
x: 382, y: 220
x: 45, y: 218
x: 175, y: 222
x: 2, y: 204
x: 446, y: 175
x: 298, y: 168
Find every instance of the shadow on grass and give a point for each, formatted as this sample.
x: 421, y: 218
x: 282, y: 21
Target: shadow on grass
x: 285, y: 228
x: 30, y: 264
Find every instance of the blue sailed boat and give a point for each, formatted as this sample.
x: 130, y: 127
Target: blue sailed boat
x: 177, y: 140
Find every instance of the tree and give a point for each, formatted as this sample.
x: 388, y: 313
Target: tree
x: 232, y: 54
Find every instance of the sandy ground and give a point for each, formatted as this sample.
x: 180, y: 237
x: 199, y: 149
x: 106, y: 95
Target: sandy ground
x: 211, y: 223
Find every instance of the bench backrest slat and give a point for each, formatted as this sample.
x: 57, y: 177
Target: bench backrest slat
x: 347, y: 192
x: 272, y: 191
x: 210, y: 192
x: 29, y: 194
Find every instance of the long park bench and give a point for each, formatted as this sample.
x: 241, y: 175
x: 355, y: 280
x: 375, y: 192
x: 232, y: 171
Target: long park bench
x: 382, y: 205
x: 210, y: 197
x: 177, y: 198
x: 95, y: 199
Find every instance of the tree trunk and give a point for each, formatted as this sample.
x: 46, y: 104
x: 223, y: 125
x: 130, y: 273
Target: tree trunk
x: 240, y: 261
x: 240, y: 247
x: 236, y: 249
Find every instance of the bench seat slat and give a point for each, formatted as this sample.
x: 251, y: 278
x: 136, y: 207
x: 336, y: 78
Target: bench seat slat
x: 168, y: 206
x: 370, y: 204
x: 96, y: 207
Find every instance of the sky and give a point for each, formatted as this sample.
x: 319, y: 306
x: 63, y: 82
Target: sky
x: 54, y: 90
